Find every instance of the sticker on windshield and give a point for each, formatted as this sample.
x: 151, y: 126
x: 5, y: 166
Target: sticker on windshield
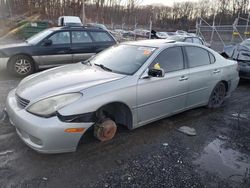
x: 146, y: 50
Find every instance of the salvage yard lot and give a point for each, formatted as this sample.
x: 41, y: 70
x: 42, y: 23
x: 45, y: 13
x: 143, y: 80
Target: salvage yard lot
x: 156, y: 155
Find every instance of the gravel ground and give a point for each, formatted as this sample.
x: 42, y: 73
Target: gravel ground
x: 156, y: 155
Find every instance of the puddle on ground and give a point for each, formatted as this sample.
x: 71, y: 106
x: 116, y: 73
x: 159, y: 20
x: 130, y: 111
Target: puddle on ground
x: 227, y: 163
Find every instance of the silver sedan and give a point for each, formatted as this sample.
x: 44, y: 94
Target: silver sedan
x: 130, y: 84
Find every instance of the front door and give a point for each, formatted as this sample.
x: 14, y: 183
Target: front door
x: 59, y: 52
x: 160, y: 97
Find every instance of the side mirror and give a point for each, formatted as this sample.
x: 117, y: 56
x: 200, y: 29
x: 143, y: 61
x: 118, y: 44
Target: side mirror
x: 47, y: 42
x: 156, y: 72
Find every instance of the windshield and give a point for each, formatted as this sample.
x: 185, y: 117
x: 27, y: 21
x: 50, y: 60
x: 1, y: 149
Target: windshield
x: 39, y: 36
x: 123, y: 59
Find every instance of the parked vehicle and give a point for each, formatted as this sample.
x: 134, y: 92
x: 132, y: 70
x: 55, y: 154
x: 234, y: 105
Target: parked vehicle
x: 69, y: 21
x: 54, y: 47
x: 162, y: 35
x: 241, y: 53
x: 190, y: 39
x: 181, y: 32
x: 129, y: 84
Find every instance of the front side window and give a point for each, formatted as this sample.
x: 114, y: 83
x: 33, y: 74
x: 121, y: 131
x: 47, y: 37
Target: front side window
x: 170, y: 60
x: 60, y: 38
x: 197, y: 56
x: 100, y: 36
x: 80, y: 37
x: 123, y: 59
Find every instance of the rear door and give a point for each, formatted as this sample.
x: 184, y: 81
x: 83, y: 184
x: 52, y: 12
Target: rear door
x: 59, y: 52
x: 82, y: 46
x: 102, y: 40
x: 202, y: 75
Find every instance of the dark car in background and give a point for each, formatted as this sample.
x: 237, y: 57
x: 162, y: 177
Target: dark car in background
x: 54, y: 47
x: 241, y: 53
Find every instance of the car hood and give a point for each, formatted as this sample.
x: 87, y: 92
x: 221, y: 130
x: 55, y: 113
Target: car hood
x: 14, y: 45
x: 65, y: 79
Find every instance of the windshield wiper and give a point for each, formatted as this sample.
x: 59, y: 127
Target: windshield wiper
x: 103, y: 67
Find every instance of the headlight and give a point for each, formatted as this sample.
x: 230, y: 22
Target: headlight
x: 48, y: 107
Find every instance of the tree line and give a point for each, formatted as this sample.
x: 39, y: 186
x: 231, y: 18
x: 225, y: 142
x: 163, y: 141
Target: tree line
x: 131, y: 12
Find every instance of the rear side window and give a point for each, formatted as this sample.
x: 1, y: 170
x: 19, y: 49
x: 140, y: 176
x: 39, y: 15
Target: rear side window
x: 212, y: 58
x: 197, y: 41
x: 197, y: 56
x: 170, y: 59
x: 188, y: 40
x: 80, y: 37
x: 101, y: 36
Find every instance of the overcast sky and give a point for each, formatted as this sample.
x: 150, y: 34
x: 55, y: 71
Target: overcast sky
x: 165, y: 2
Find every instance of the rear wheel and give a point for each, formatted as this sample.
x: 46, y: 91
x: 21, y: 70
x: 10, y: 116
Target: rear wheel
x: 21, y: 66
x: 218, y: 95
x: 105, y: 130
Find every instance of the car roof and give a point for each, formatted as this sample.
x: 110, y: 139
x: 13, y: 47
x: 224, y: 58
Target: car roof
x: 157, y: 43
x: 161, y: 43
x: 73, y: 28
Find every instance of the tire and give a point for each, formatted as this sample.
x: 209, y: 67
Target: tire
x: 21, y: 66
x: 217, y: 96
x: 106, y: 130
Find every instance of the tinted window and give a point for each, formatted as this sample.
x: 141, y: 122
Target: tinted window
x: 60, y: 38
x: 170, y: 59
x: 80, y: 37
x: 197, y: 41
x: 100, y: 36
x: 188, y: 40
x: 197, y: 56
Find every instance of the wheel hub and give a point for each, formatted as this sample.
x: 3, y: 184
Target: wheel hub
x: 22, y: 66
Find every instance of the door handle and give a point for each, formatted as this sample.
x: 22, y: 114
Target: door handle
x: 216, y: 71
x: 63, y: 51
x: 183, y: 78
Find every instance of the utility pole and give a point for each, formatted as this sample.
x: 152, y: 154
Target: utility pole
x: 10, y: 11
x: 213, y: 29
x: 150, y: 27
x: 135, y: 28
x: 83, y: 12
x: 246, y: 31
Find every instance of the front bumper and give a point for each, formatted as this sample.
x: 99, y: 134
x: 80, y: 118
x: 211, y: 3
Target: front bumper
x: 244, y: 71
x: 3, y: 63
x: 45, y: 135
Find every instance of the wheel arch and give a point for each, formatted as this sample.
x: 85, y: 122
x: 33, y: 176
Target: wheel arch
x: 22, y: 54
x: 226, y: 84
x: 118, y: 111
